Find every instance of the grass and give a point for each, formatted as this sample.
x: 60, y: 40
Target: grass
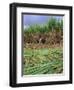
x: 42, y: 61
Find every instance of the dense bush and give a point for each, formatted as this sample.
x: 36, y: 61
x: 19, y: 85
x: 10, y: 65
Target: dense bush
x: 51, y: 25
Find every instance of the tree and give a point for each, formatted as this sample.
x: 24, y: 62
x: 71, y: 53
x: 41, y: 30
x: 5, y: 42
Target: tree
x: 61, y: 24
x: 52, y: 24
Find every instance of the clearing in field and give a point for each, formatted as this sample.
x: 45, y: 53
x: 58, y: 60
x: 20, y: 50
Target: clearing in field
x: 42, y: 44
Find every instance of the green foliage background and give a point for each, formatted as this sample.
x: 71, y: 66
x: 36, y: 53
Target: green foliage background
x: 52, y: 24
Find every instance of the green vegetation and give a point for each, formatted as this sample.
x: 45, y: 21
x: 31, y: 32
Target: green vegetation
x: 42, y: 61
x: 51, y: 25
x: 43, y: 48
